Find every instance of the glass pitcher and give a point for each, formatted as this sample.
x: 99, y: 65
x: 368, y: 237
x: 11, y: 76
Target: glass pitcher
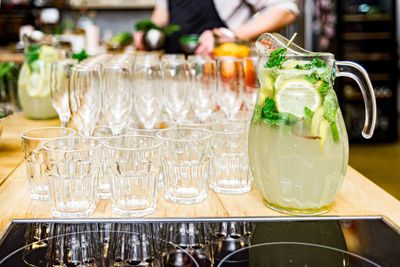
x: 298, y: 145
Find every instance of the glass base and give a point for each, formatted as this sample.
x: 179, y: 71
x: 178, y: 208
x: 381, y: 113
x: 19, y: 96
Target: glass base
x: 231, y: 191
x: 80, y: 214
x: 181, y: 200
x: 134, y: 213
x: 40, y: 197
x: 298, y: 212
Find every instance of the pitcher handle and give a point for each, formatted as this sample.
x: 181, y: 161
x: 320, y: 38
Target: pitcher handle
x: 359, y: 74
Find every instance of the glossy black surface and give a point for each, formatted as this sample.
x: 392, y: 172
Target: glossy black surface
x: 214, y: 242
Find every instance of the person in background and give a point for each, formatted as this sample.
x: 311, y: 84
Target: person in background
x: 226, y: 20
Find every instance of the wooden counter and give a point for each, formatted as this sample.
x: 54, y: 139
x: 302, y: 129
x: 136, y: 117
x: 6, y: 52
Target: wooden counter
x: 358, y: 196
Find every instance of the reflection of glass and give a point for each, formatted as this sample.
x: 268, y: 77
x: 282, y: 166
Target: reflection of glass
x: 147, y: 90
x: 72, y: 165
x: 85, y: 96
x: 203, y: 87
x: 230, y: 85
x: 59, y: 86
x: 134, y: 165
x: 35, y: 167
x: 184, y: 163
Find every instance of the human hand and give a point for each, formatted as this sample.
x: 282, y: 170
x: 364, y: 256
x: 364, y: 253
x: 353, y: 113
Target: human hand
x: 206, y: 44
x: 138, y: 40
x: 224, y: 35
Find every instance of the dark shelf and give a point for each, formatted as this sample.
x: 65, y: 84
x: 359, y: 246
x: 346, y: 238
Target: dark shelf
x: 367, y: 17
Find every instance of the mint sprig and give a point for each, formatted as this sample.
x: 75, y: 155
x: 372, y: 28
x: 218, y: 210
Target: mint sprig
x: 320, y: 71
x: 277, y: 57
x: 269, y: 113
x: 31, y: 55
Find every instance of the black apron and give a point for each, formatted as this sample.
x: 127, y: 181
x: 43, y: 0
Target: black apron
x: 193, y: 16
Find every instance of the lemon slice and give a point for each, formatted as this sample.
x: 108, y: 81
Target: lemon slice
x: 288, y: 75
x: 316, y: 121
x: 323, y: 133
x: 24, y: 75
x: 34, y: 85
x: 267, y: 86
x: 292, y: 63
x: 294, y: 95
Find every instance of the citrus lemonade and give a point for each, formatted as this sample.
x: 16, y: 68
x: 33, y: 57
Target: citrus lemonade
x: 298, y: 147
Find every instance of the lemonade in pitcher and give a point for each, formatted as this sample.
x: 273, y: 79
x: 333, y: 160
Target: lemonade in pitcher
x: 298, y: 145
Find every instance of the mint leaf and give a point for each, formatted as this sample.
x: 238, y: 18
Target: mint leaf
x: 271, y: 115
x: 312, y: 78
x: 80, y: 56
x: 276, y: 58
x: 257, y: 113
x: 308, y: 113
x: 269, y: 107
x: 330, y: 107
x: 145, y: 25
x: 170, y: 29
x: 323, y: 88
x: 31, y: 55
x: 335, y: 132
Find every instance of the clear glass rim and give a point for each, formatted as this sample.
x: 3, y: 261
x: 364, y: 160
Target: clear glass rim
x: 65, y: 61
x: 25, y: 136
x: 171, y: 125
x: 114, y: 147
x: 208, y: 132
x: 229, y: 58
x: 240, y: 125
x: 95, y: 147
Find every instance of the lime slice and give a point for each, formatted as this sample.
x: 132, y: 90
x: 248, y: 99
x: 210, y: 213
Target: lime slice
x: 316, y: 121
x: 292, y: 63
x: 323, y: 133
x: 294, y: 95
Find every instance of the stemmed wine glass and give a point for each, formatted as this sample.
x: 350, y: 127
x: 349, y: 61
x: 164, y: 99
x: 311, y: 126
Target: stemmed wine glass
x: 147, y: 90
x: 230, y: 85
x: 251, y: 82
x: 117, y: 100
x: 203, y: 87
x: 177, y: 89
x: 85, y: 96
x: 59, y: 83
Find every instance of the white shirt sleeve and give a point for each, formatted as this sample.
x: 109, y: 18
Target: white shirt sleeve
x: 163, y: 4
x: 263, y: 5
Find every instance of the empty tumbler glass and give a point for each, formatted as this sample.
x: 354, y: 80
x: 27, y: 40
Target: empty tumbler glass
x: 72, y: 165
x: 185, y: 163
x: 251, y: 82
x: 59, y: 85
x: 35, y: 167
x: 229, y: 158
x: 134, y: 163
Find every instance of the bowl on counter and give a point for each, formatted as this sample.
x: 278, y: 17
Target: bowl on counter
x: 189, y: 43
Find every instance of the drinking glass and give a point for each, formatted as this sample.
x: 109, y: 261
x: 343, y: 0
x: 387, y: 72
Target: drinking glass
x: 193, y: 121
x: 103, y: 190
x: 85, y: 96
x: 184, y: 163
x: 168, y: 57
x: 177, y: 89
x: 118, y: 95
x: 59, y: 85
x: 35, y: 167
x: 134, y: 162
x: 203, y: 87
x: 251, y: 82
x: 137, y: 127
x: 230, y: 85
x: 147, y: 90
x: 72, y: 165
x: 229, y: 158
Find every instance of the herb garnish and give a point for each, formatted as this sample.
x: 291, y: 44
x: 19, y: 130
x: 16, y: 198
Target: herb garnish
x: 330, y: 110
x: 32, y: 54
x: 80, y: 56
x: 270, y: 114
x: 277, y: 56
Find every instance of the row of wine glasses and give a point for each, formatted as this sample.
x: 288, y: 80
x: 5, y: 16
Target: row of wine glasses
x: 114, y: 90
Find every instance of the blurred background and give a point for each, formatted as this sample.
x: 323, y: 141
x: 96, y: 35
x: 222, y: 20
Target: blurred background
x: 364, y: 31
